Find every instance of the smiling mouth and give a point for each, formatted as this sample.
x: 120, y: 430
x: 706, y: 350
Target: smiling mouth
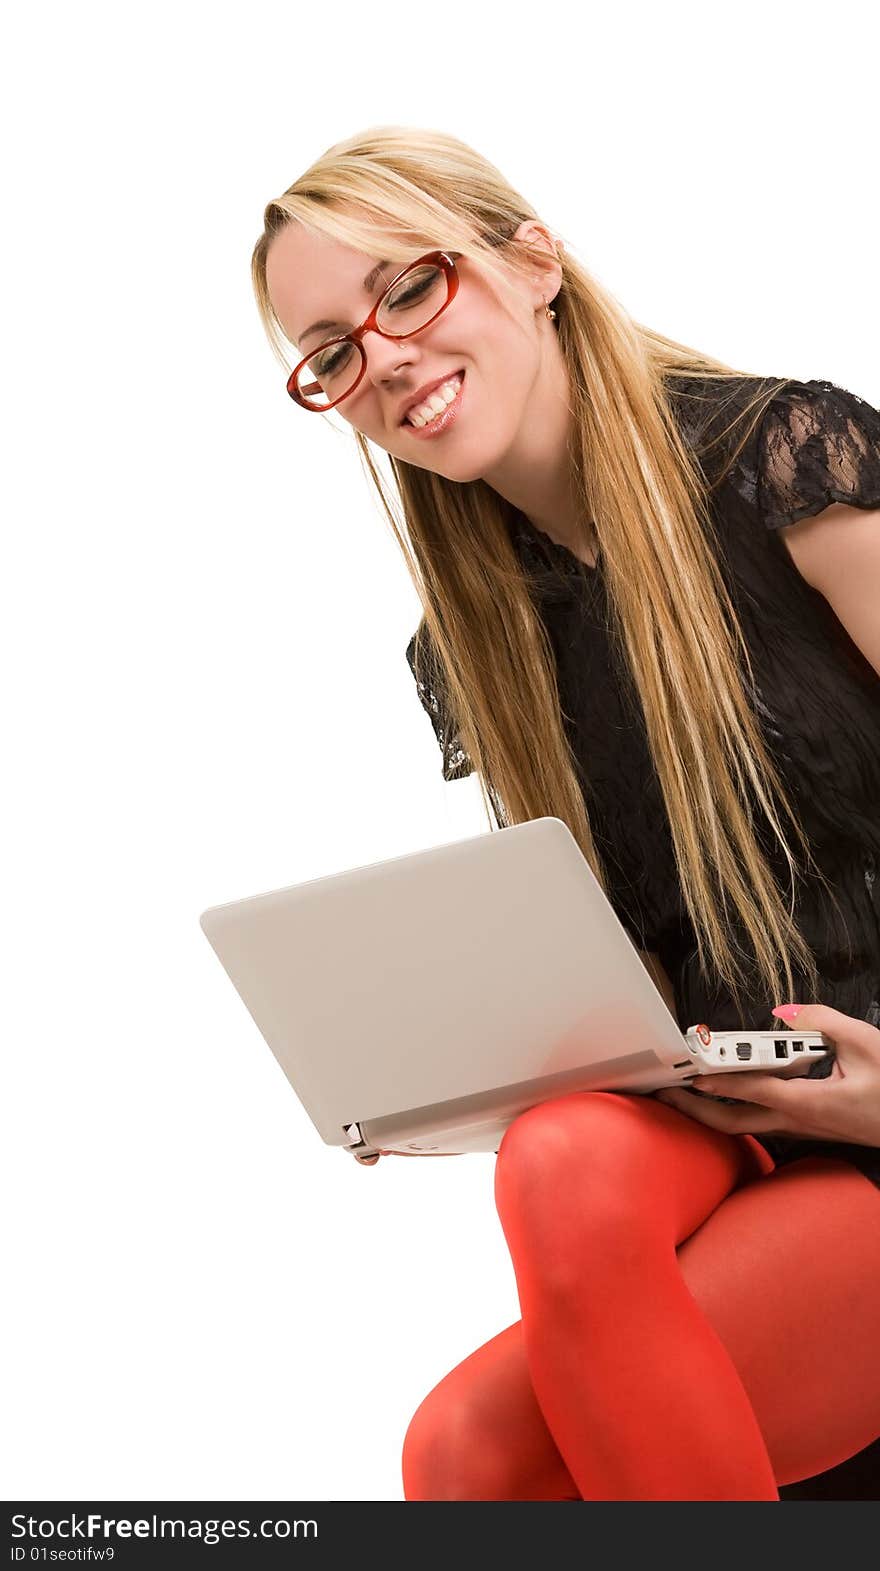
x: 438, y: 413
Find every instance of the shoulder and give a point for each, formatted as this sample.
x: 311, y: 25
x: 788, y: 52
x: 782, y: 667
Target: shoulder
x: 719, y: 417
x: 807, y: 446
x: 808, y: 472
x: 710, y: 403
x: 790, y: 450
x: 819, y: 444
x: 813, y: 475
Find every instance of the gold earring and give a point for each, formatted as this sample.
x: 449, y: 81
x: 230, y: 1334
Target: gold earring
x: 551, y: 314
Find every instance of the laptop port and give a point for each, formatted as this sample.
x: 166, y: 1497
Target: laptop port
x: 781, y: 1049
x: 797, y: 1047
x: 743, y: 1049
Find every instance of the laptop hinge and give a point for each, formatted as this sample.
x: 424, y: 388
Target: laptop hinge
x: 360, y: 1148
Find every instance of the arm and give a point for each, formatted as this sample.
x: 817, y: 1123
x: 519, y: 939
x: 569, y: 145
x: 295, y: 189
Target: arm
x: 837, y: 551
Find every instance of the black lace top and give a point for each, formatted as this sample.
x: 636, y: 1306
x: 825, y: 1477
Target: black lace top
x: 817, y: 699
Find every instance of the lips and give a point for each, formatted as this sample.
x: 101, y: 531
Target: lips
x: 426, y: 391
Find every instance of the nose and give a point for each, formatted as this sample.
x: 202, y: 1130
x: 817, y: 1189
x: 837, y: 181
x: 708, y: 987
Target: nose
x: 388, y: 357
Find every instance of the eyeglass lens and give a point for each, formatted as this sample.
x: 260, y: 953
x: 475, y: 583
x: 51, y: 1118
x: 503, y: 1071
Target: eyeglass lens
x: 407, y: 306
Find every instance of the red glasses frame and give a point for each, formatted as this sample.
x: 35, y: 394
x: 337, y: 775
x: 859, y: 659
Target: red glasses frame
x: 444, y: 259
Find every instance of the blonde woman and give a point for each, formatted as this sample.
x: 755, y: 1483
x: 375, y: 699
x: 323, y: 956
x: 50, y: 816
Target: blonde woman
x: 650, y: 586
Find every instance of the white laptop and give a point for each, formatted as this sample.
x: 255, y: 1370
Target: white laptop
x: 419, y: 1004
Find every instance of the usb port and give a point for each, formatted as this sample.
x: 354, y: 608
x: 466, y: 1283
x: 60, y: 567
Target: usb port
x: 743, y: 1049
x: 797, y: 1047
x: 781, y: 1049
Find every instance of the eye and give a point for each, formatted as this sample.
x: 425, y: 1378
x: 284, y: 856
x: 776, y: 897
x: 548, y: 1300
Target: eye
x: 327, y: 365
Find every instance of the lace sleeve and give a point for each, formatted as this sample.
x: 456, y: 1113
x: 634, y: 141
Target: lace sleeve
x: 817, y: 444
x: 456, y: 763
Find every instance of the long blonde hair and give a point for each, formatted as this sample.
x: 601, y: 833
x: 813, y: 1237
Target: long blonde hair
x: 400, y: 188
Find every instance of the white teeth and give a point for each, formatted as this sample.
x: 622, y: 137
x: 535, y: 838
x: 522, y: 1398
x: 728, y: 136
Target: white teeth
x: 440, y: 399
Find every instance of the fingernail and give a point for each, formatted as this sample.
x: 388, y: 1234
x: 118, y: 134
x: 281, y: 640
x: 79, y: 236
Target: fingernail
x: 786, y: 1011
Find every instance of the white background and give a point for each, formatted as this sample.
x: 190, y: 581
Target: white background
x: 206, y: 695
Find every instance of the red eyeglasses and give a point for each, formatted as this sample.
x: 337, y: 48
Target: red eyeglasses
x: 414, y: 299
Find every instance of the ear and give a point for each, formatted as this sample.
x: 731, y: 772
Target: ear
x: 536, y: 238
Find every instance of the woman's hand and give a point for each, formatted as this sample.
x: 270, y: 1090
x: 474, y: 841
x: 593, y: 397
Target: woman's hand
x: 370, y: 1161
x: 844, y: 1106
x: 420, y: 1153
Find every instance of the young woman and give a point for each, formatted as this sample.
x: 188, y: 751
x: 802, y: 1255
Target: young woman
x: 650, y: 587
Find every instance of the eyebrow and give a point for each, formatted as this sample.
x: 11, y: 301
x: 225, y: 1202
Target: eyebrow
x: 369, y: 281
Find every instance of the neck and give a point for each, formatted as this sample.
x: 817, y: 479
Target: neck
x: 535, y: 474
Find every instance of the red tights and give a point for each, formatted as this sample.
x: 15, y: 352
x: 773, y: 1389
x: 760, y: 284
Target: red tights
x: 696, y: 1324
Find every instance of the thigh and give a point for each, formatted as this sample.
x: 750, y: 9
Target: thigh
x: 626, y: 1166
x: 479, y: 1434
x: 787, y: 1270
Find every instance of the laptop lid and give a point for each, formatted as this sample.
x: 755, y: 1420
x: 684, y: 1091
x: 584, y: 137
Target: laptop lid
x: 446, y: 976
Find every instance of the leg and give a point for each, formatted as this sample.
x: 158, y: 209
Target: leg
x: 788, y: 1272
x: 480, y: 1433
x: 595, y: 1192
x: 808, y: 1236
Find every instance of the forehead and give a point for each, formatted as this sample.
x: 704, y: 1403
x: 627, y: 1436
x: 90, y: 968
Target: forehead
x: 312, y: 276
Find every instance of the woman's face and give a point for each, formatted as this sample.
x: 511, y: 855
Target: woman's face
x: 507, y: 350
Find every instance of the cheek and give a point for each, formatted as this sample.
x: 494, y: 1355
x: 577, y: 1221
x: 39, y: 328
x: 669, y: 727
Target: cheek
x: 506, y: 375
x: 367, y: 418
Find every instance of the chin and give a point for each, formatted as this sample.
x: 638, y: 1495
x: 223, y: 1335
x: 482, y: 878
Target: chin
x: 461, y: 460
x: 465, y: 475
x: 461, y: 473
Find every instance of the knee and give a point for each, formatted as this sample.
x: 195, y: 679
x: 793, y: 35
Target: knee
x: 447, y: 1454
x: 575, y: 1162
x: 575, y: 1135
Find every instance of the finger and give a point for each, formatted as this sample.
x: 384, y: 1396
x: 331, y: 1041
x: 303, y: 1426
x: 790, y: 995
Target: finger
x: 419, y: 1153
x: 745, y: 1120
x: 770, y: 1090
x: 858, y: 1038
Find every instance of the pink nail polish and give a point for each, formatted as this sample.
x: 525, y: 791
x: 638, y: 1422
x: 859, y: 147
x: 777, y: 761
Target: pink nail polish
x: 786, y: 1011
